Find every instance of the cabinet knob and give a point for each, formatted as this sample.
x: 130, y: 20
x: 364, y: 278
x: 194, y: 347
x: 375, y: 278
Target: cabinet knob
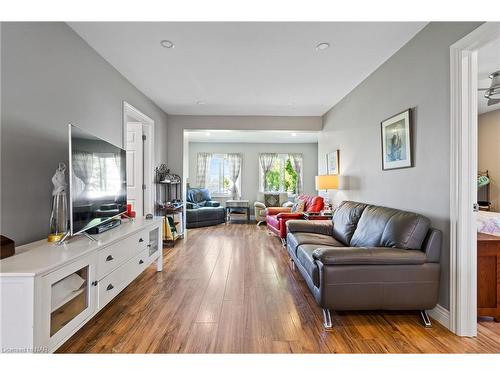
x: 109, y: 258
x: 110, y: 286
x: 141, y: 240
x: 141, y: 261
x: 94, y: 283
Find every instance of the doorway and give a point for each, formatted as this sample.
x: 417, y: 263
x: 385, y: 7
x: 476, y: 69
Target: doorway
x: 138, y: 141
x: 463, y: 177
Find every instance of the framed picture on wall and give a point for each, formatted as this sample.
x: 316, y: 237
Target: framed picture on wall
x: 333, y: 162
x: 396, y: 134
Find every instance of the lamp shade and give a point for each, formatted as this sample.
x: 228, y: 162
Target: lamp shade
x: 327, y: 181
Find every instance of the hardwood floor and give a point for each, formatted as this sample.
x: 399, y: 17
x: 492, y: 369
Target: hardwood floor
x: 229, y: 289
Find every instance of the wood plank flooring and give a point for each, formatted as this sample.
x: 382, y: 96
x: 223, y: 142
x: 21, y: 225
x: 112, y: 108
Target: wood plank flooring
x: 229, y: 289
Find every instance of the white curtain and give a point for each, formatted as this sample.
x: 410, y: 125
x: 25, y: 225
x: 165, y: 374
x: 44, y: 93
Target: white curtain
x: 297, y: 163
x: 83, y: 166
x: 266, y: 162
x: 234, y: 173
x: 203, y: 168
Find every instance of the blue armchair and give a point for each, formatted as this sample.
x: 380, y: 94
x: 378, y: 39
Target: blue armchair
x: 201, y: 210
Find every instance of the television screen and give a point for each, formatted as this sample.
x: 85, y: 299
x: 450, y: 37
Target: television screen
x: 98, y: 186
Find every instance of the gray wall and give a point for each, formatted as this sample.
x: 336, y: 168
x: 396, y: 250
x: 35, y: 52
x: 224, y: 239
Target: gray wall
x: 416, y: 76
x: 250, y: 168
x: 51, y: 77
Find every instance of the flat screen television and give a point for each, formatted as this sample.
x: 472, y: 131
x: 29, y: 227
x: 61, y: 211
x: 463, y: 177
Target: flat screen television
x: 97, y: 180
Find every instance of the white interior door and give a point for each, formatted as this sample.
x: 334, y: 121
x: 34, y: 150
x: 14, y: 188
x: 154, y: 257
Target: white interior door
x: 135, y: 166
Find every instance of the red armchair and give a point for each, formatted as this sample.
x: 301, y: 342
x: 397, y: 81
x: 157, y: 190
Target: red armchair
x: 276, y: 217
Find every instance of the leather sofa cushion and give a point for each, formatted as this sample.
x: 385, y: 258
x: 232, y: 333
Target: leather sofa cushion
x: 345, y: 219
x: 368, y: 255
x: 306, y: 260
x: 318, y: 240
x: 388, y: 227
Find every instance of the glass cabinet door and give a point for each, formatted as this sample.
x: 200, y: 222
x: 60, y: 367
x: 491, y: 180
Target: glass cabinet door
x: 154, y: 238
x: 68, y: 299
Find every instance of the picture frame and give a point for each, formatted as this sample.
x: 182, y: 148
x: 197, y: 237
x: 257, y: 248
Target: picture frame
x: 333, y: 162
x: 397, y: 141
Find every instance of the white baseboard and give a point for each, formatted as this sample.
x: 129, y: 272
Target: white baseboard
x: 442, y: 315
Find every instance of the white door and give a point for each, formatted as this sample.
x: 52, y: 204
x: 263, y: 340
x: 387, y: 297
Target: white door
x: 135, y: 165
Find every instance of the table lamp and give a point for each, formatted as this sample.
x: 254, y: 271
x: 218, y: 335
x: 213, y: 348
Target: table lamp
x: 327, y: 182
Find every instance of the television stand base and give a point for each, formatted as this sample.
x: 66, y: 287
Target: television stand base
x: 67, y: 236
x: 96, y: 230
x: 89, y: 236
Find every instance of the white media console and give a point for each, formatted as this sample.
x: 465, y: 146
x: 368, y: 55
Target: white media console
x: 50, y: 291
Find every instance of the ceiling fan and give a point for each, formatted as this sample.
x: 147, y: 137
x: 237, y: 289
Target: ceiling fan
x: 493, y: 92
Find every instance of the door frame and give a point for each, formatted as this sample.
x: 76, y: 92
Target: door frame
x: 129, y: 111
x: 463, y: 174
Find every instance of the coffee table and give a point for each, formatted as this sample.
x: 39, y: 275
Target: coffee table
x: 240, y: 206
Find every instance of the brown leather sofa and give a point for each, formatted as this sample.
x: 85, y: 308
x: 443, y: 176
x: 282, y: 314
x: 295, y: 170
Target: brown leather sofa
x: 368, y: 258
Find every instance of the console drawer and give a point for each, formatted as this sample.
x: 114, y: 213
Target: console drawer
x: 116, y: 254
x: 116, y: 281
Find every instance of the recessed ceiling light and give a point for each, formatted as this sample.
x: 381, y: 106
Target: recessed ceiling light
x: 200, y: 102
x: 294, y: 134
x: 322, y: 46
x: 207, y: 134
x: 167, y: 44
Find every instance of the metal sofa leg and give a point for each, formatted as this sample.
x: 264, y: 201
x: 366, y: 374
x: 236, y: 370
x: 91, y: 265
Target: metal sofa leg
x: 283, y: 242
x: 259, y: 222
x: 292, y: 264
x: 425, y: 319
x: 327, y: 319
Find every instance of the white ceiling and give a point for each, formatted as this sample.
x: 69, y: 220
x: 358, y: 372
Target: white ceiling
x: 488, y: 62
x: 246, y: 68
x: 252, y: 136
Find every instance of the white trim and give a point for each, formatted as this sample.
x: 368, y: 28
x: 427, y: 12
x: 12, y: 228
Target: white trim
x: 463, y: 171
x: 149, y: 162
x: 441, y: 315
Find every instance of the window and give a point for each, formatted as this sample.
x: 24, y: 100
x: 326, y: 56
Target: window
x: 282, y: 176
x: 218, y: 181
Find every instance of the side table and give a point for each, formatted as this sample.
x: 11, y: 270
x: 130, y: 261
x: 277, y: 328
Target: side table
x: 237, y: 206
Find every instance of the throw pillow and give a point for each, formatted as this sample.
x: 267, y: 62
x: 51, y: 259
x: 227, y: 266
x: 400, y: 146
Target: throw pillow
x: 298, y: 206
x: 271, y: 200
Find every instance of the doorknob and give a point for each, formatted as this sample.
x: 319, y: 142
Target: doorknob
x: 475, y: 207
x: 109, y: 258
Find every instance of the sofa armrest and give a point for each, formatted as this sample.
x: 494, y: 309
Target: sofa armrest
x: 259, y: 205
x: 212, y: 204
x: 290, y: 215
x: 336, y: 256
x: 277, y: 210
x: 320, y: 227
x: 432, y: 245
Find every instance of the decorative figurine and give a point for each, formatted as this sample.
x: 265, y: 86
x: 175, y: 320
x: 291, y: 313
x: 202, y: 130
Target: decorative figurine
x: 59, y: 215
